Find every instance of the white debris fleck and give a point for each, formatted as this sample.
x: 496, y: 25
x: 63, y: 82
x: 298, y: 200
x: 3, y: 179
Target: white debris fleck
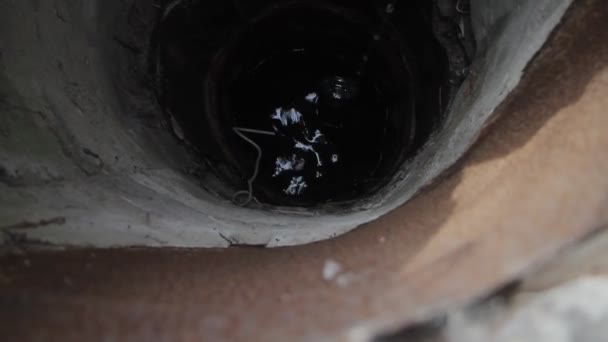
x: 309, y: 148
x: 331, y: 269
x: 312, y: 98
x: 334, y: 158
x: 278, y: 116
x: 287, y: 117
x: 319, y: 174
x: 316, y: 138
x: 283, y: 164
x: 296, y: 186
x: 294, y: 115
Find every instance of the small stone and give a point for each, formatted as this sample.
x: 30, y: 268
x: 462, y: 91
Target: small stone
x: 331, y: 269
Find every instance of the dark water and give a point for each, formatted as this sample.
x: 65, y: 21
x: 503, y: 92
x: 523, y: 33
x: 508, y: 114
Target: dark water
x: 335, y: 93
x: 315, y: 93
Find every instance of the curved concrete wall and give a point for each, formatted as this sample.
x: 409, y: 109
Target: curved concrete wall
x: 81, y: 163
x: 534, y: 184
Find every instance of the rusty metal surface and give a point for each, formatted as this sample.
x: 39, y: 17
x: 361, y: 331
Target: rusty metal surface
x: 534, y: 183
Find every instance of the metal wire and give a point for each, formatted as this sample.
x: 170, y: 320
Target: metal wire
x: 249, y: 192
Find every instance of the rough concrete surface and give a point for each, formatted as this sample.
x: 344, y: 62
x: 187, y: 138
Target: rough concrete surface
x: 534, y: 184
x: 78, y: 144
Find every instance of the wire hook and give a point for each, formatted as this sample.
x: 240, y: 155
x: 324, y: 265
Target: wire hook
x: 249, y: 192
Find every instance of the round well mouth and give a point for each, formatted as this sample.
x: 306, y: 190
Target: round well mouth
x: 87, y: 160
x: 147, y: 127
x: 311, y: 103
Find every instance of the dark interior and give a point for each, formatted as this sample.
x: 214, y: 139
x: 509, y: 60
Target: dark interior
x: 312, y: 102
